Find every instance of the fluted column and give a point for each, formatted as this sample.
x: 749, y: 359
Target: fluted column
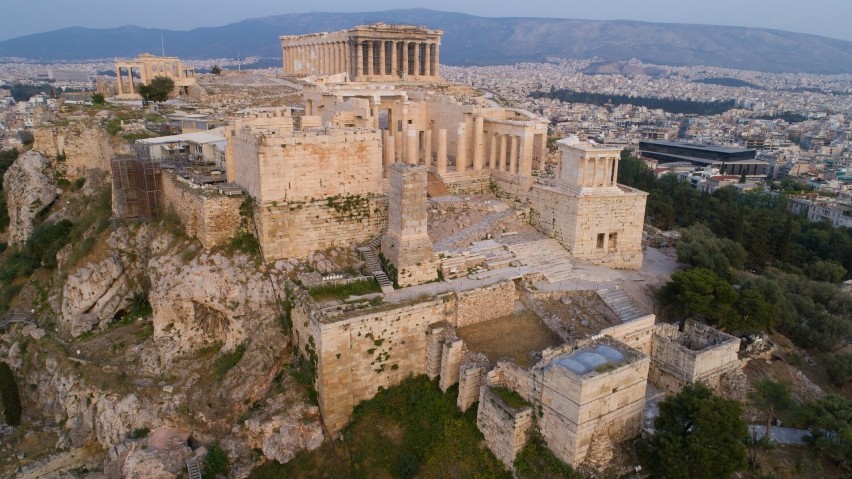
x: 427, y: 147
x: 427, y: 70
x: 119, y: 89
x: 615, y: 171
x: 405, y: 70
x: 369, y: 47
x: 524, y: 160
x: 387, y: 150
x: 417, y: 59
x: 411, y: 156
x: 437, y: 61
x: 383, y: 67
x: 441, y: 162
x: 359, y: 61
x: 492, y: 152
x: 394, y: 59
x: 513, y: 156
x: 461, y: 149
x: 501, y: 160
x: 478, y: 143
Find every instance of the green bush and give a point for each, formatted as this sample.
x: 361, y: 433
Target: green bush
x: 343, y: 291
x: 537, y: 461
x: 839, y: 368
x: 140, y: 433
x: 216, y: 461
x: 9, y: 395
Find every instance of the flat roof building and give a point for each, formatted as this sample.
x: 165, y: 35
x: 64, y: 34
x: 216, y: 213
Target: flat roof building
x: 729, y: 160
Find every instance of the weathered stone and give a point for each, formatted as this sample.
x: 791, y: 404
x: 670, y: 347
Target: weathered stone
x: 30, y: 187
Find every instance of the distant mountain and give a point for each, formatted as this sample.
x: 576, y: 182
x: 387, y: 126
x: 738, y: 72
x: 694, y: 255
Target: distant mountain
x: 470, y: 40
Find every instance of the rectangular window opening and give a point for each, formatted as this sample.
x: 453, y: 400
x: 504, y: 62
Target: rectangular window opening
x: 600, y: 240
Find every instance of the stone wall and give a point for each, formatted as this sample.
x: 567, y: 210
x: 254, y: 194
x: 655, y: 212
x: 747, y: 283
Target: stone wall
x: 486, y: 303
x: 505, y: 428
x: 698, y: 354
x: 209, y: 216
x: 359, y: 351
x: 468, y: 183
x: 294, y: 229
x: 86, y: 145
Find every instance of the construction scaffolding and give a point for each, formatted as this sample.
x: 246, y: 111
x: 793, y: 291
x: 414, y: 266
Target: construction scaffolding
x: 137, y: 187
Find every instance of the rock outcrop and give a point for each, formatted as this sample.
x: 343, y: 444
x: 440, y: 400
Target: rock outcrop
x: 97, y: 291
x: 84, y: 143
x: 30, y: 187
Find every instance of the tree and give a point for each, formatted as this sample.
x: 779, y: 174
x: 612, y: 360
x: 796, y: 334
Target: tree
x: 215, y: 461
x: 699, y: 247
x: 215, y: 70
x: 772, y: 398
x: 839, y: 368
x: 829, y: 420
x: 760, y: 303
x: 828, y: 271
x: 10, y: 396
x: 98, y: 99
x: 697, y: 435
x: 158, y: 90
x: 700, y: 291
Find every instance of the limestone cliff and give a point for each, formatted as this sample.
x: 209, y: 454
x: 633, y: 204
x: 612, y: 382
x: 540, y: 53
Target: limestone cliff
x: 30, y: 187
x: 85, y: 144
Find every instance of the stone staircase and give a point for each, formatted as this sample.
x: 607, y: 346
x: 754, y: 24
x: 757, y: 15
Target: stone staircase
x: 435, y: 187
x: 494, y: 254
x: 621, y: 304
x: 473, y: 232
x: 15, y: 316
x: 373, y: 264
x: 192, y: 468
x: 544, y: 255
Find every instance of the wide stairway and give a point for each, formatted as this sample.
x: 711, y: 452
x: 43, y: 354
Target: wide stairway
x: 435, y: 187
x: 621, y: 304
x: 545, y: 255
x: 472, y: 233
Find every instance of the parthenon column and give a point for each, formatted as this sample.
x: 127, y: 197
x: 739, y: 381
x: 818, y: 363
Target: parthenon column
x: 615, y: 171
x: 437, y: 61
x: 461, y: 149
x: 478, y: 143
x: 394, y: 59
x: 405, y: 69
x: 441, y: 162
x: 382, y: 65
x: 417, y: 59
x: 359, y: 61
x: 369, y: 47
x: 524, y: 160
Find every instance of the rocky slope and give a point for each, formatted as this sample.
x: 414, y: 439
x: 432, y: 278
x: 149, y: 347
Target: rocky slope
x: 30, y: 187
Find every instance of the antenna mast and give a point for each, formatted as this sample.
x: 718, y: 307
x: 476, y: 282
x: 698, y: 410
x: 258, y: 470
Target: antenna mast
x: 162, y: 44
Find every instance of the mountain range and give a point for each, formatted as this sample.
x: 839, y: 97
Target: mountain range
x: 468, y: 40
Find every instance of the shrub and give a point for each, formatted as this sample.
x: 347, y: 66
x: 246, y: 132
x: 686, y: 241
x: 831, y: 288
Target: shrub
x: 216, y: 461
x: 839, y: 368
x: 537, y: 461
x: 9, y: 395
x: 343, y: 291
x: 140, y: 433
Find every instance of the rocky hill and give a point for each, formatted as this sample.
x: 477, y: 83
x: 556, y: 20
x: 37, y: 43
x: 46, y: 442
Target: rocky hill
x: 470, y: 40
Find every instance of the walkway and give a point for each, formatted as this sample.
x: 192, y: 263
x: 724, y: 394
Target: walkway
x: 781, y: 435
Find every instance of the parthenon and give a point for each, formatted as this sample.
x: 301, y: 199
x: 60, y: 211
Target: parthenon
x: 377, y: 52
x: 148, y: 66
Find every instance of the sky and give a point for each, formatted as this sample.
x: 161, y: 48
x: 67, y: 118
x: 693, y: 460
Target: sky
x: 829, y: 18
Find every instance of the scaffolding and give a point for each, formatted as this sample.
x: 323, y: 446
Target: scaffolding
x: 137, y: 187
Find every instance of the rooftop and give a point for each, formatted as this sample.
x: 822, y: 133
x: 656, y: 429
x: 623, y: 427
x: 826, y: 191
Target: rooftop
x: 593, y: 358
x: 696, y: 146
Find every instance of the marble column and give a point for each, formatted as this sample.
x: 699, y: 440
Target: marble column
x: 615, y: 171
x: 417, y: 59
x: 478, y: 143
x: 391, y: 148
x: 405, y: 70
x: 383, y: 67
x: 119, y: 88
x: 394, y: 59
x: 427, y: 66
x: 359, y: 61
x: 369, y: 47
x: 374, y: 110
x: 387, y: 151
x: 501, y: 161
x: 524, y: 160
x: 492, y: 152
x: 513, y: 156
x: 437, y: 60
x: 427, y: 147
x: 461, y: 149
x: 411, y: 156
x: 441, y: 162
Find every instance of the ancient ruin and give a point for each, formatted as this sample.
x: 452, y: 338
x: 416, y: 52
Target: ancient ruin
x: 377, y: 52
x: 147, y: 67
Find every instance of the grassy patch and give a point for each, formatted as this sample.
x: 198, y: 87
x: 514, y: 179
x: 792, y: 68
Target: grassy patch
x: 227, y: 361
x: 536, y: 461
x: 509, y: 397
x: 410, y: 430
x: 343, y: 291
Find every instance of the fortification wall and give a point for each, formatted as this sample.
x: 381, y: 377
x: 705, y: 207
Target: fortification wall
x: 486, y: 303
x: 293, y: 230
x: 85, y: 145
x: 212, y: 218
x: 505, y: 429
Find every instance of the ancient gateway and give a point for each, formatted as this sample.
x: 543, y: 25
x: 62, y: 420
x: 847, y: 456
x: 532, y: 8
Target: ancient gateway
x: 377, y: 52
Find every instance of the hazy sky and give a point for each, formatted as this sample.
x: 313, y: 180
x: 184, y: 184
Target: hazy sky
x: 821, y: 17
